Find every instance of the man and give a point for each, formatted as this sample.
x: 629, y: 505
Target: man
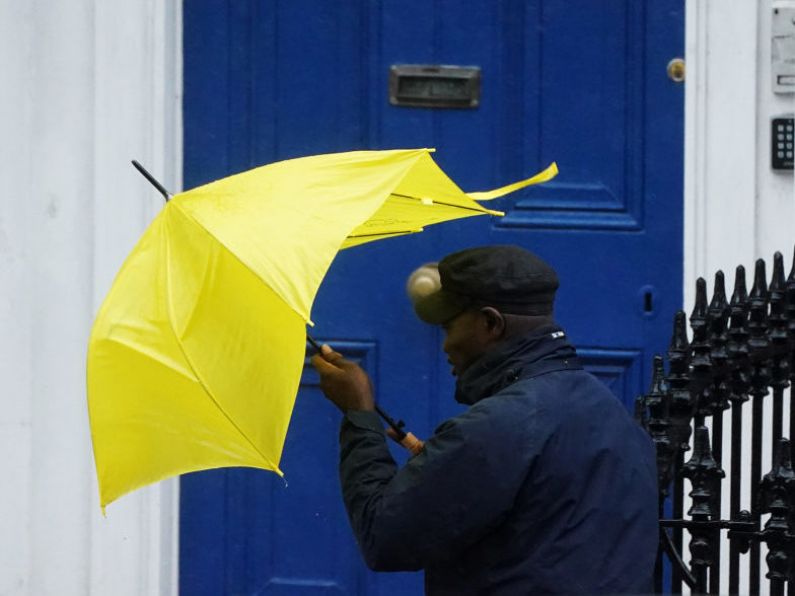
x: 544, y: 485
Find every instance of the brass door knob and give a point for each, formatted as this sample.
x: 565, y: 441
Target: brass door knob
x: 676, y: 70
x: 423, y: 281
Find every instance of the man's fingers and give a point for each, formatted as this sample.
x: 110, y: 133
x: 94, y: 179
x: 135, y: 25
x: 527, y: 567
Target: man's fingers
x: 343, y: 382
x: 326, y: 356
x: 334, y: 357
x: 346, y: 365
x: 322, y: 365
x: 329, y: 355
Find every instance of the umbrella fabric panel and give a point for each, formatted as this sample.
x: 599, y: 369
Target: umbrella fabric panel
x: 154, y: 427
x: 427, y: 181
x: 152, y: 415
x: 544, y: 176
x: 286, y: 221
x: 245, y: 343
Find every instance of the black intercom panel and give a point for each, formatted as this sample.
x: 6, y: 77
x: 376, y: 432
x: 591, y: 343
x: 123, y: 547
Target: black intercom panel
x: 781, y: 135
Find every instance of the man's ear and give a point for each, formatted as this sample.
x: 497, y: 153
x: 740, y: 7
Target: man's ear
x: 495, y: 322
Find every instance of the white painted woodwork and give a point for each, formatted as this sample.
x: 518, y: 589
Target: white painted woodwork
x: 87, y: 85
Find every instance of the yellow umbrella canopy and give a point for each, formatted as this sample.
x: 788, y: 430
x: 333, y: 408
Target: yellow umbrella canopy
x: 196, y: 354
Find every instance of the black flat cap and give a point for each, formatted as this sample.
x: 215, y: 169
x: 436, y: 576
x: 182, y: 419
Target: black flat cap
x: 509, y: 278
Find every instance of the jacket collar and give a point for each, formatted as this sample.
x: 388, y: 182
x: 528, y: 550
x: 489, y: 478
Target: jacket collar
x: 540, y: 351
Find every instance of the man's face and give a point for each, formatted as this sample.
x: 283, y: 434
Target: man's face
x: 466, y: 339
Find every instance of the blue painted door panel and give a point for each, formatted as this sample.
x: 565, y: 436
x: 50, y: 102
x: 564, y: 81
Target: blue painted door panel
x: 582, y: 82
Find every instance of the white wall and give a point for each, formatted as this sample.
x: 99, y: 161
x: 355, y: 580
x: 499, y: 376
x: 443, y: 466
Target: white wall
x: 86, y: 86
x: 737, y: 209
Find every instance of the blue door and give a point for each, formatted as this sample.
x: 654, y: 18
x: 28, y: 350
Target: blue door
x: 581, y: 82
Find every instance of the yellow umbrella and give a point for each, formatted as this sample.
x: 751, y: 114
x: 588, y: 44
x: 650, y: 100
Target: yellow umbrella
x: 195, y: 356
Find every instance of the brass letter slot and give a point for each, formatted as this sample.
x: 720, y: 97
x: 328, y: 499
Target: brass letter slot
x: 429, y: 86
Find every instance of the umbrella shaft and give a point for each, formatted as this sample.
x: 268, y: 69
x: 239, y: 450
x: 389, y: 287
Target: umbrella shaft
x: 145, y: 173
x: 395, y: 426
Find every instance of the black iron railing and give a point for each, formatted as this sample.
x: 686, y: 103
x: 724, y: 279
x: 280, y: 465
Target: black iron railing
x: 741, y: 350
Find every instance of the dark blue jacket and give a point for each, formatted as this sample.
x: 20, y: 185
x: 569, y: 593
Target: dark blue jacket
x: 544, y: 485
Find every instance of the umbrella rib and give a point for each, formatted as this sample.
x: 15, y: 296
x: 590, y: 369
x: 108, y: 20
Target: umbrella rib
x: 128, y: 345
x: 396, y: 232
x: 210, y: 394
x: 435, y: 202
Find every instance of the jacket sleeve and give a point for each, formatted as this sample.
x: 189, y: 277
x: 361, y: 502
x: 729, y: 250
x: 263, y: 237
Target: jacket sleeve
x: 443, y: 500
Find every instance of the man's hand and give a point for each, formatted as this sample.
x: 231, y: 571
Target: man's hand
x: 343, y: 382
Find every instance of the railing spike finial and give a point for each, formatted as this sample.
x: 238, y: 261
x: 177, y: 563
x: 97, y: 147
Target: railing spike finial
x: 759, y: 290
x: 658, y: 423
x: 718, y: 318
x: 718, y: 315
x: 681, y: 403
x: 738, y: 339
x: 778, y: 333
x: 700, y: 360
x: 719, y: 302
x: 698, y: 317
x: 759, y: 342
x: 777, y: 280
x: 777, y: 296
x: 679, y: 341
x: 740, y: 295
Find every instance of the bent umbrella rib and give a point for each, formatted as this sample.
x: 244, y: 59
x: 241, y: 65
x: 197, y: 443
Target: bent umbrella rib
x: 395, y: 233
x: 435, y: 202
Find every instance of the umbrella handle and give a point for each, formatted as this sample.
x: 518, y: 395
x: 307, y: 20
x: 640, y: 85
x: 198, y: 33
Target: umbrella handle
x: 412, y: 444
x: 405, y: 438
